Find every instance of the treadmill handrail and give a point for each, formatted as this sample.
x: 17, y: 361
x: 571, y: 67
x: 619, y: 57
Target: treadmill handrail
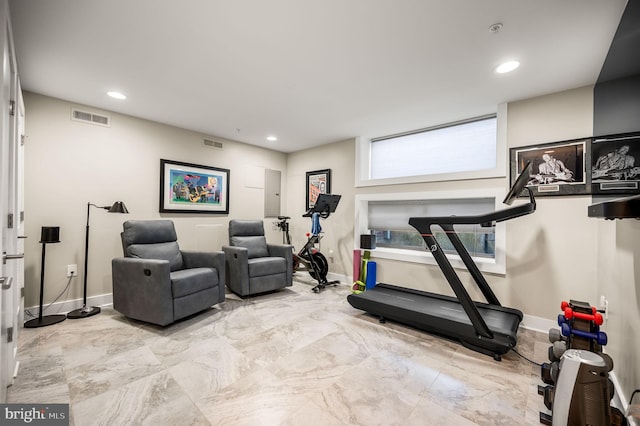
x: 495, y: 216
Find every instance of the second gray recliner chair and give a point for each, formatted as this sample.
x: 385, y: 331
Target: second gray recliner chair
x: 252, y: 265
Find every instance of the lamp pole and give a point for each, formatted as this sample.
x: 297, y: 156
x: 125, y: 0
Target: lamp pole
x: 87, y: 311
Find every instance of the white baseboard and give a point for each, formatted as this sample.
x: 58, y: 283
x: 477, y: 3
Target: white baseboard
x: 541, y: 325
x: 332, y: 276
x: 70, y: 305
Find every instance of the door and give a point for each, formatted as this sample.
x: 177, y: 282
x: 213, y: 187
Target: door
x: 271, y: 193
x: 12, y: 267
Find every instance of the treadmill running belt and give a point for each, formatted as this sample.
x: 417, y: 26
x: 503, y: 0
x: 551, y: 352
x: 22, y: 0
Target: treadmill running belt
x: 441, y: 315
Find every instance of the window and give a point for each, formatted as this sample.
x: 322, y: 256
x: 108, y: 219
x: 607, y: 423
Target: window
x: 469, y: 149
x: 393, y: 231
x: 451, y: 149
x: 387, y: 215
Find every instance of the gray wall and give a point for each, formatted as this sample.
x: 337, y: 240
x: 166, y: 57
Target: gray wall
x: 617, y: 106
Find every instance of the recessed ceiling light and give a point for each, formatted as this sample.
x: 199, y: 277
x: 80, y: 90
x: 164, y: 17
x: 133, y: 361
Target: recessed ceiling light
x: 507, y: 67
x: 117, y: 95
x: 272, y: 138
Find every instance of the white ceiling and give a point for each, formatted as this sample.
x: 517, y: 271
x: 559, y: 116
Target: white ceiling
x: 310, y: 72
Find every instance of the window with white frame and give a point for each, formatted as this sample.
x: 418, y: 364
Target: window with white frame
x: 387, y: 216
x: 467, y: 149
x: 463, y: 147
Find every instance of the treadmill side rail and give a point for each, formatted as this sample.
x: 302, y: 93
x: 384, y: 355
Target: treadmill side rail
x: 452, y: 278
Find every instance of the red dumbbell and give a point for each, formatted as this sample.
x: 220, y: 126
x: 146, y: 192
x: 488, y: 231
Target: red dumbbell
x: 564, y: 305
x: 595, y: 317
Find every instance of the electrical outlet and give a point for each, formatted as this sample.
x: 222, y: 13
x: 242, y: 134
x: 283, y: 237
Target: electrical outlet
x: 72, y: 270
x: 604, y: 306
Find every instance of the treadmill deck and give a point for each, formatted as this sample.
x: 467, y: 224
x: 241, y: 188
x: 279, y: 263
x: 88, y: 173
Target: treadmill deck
x: 442, y: 315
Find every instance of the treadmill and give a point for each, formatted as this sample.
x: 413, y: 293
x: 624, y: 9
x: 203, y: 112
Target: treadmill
x: 488, y: 328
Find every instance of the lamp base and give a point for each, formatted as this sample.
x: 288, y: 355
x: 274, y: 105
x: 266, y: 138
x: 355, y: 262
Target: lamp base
x: 84, y: 312
x: 46, y: 320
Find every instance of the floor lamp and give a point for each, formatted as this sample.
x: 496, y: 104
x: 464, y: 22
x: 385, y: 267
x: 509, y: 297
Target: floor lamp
x: 87, y: 311
x: 49, y: 235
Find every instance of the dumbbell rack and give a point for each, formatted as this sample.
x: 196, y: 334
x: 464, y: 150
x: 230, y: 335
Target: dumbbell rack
x: 579, y: 339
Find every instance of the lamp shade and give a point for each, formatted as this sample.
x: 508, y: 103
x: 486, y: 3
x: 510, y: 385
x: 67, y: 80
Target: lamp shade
x: 118, y: 207
x: 50, y: 234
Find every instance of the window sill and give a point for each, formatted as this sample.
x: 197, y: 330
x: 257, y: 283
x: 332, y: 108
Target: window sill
x: 424, y: 257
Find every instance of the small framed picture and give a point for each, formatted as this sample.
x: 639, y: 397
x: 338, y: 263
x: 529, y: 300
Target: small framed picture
x: 193, y: 188
x: 559, y: 168
x: 318, y: 182
x: 615, y: 167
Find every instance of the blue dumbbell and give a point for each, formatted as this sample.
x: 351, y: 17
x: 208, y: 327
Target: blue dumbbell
x: 599, y: 336
x: 562, y: 320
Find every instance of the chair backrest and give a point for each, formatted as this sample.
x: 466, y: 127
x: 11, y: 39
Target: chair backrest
x: 152, y: 239
x: 250, y: 235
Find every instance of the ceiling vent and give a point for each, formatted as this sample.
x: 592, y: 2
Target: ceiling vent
x: 90, y: 117
x: 210, y: 143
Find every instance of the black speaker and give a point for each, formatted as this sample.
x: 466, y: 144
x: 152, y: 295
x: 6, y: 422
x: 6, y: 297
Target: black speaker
x: 367, y: 241
x: 50, y: 234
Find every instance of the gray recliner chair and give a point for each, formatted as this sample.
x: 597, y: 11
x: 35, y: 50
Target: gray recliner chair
x: 253, y: 266
x: 157, y: 282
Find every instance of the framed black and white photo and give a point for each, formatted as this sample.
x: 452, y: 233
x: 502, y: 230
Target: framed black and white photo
x: 193, y: 188
x: 559, y: 168
x: 615, y: 167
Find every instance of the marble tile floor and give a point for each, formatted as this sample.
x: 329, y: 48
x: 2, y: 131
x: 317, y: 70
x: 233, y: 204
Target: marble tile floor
x: 291, y: 357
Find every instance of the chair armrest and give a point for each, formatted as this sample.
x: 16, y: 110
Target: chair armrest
x: 237, y: 269
x: 286, y: 251
x: 206, y: 259
x: 203, y: 259
x: 142, y: 289
x: 280, y: 250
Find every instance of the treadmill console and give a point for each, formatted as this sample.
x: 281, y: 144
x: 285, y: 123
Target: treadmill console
x: 519, y: 185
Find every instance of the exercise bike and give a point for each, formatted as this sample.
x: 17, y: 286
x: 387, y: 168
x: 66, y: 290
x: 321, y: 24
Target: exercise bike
x: 314, y: 262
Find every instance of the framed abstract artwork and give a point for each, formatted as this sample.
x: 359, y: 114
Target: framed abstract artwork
x: 193, y: 188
